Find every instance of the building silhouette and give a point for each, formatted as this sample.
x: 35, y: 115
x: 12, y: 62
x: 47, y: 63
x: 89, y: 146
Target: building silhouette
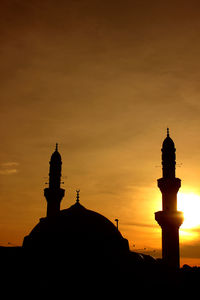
x: 169, y: 218
x: 75, y: 229
x: 78, y: 239
x: 79, y: 252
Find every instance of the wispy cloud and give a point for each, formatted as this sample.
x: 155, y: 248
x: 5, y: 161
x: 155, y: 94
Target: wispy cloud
x: 9, y: 168
x: 8, y: 172
x: 10, y: 164
x: 139, y: 224
x: 190, y: 250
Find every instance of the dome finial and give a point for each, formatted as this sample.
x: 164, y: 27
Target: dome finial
x: 167, y: 132
x: 77, y: 196
x: 56, y: 147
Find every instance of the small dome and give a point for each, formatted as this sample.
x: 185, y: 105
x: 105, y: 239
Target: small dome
x: 56, y: 156
x: 168, y: 142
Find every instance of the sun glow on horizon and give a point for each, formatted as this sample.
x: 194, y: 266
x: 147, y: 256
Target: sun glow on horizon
x: 189, y: 204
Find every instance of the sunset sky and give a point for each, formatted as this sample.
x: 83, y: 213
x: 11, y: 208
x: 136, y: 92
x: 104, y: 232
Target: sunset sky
x: 103, y: 79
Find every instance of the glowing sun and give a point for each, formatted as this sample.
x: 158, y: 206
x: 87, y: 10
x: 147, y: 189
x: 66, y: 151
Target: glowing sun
x: 189, y: 204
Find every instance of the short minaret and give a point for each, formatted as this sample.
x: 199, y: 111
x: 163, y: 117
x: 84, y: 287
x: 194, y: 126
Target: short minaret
x: 54, y: 193
x: 169, y: 218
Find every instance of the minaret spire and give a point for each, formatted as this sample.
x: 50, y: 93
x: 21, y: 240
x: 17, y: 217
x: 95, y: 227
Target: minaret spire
x: 77, y: 196
x: 54, y: 193
x: 169, y: 218
x: 167, y: 132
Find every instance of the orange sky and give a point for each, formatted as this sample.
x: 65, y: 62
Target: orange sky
x: 104, y: 79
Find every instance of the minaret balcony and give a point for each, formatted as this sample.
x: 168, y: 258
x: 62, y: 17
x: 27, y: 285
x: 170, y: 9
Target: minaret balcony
x: 169, y: 218
x: 54, y: 194
x: 169, y: 184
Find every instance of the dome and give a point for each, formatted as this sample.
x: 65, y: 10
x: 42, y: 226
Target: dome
x: 76, y: 229
x: 56, y: 156
x: 168, y: 143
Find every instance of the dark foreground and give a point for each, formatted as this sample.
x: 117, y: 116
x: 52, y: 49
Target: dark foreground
x: 29, y: 276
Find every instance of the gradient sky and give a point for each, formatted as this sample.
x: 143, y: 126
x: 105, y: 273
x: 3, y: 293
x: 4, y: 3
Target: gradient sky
x: 104, y: 79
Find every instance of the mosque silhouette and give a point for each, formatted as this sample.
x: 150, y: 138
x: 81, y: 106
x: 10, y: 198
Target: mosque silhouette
x: 79, y: 230
x: 80, y: 247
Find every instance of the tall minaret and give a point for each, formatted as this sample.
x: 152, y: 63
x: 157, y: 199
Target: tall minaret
x: 169, y: 218
x: 54, y: 193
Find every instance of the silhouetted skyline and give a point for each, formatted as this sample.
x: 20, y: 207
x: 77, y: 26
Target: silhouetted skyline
x: 77, y: 247
x: 77, y: 231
